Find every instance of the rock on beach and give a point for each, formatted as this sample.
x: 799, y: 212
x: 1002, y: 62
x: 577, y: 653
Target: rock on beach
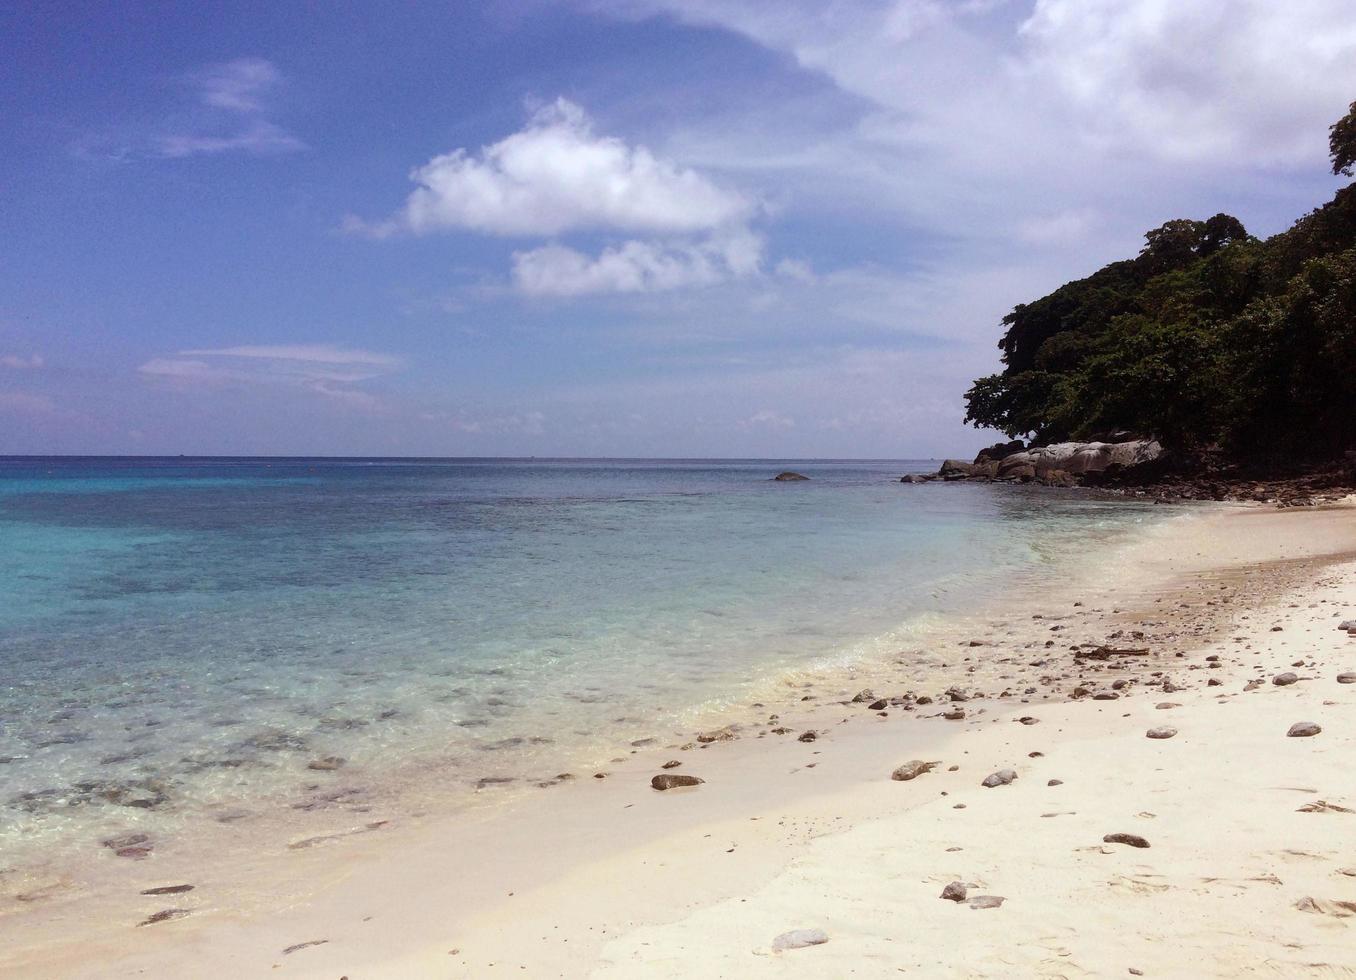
x: 800, y: 938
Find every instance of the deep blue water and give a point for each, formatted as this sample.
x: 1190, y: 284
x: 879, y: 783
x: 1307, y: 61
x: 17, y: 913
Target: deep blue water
x: 182, y: 634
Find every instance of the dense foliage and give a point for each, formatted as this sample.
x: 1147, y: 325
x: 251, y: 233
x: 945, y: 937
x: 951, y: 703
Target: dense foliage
x: 1209, y: 337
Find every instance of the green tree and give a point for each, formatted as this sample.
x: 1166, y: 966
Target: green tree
x: 1342, y: 143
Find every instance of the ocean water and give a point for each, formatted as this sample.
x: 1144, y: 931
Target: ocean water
x: 180, y: 639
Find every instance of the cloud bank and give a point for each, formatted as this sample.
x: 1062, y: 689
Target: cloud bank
x: 557, y: 176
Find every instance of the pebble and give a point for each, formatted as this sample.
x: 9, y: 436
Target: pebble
x: 1284, y: 680
x: 800, y: 938
x: 1000, y: 778
x: 954, y: 892
x: 164, y: 915
x: 806, y: 737
x: 327, y: 764
x: 1028, y: 720
x: 1346, y: 678
x: 1055, y: 782
x: 1162, y: 731
x: 671, y: 764
x: 1303, y: 729
x: 1134, y: 840
x: 670, y: 780
x: 862, y: 696
x: 913, y: 769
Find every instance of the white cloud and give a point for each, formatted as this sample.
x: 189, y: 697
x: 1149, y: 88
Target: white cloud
x: 556, y: 175
x: 636, y: 266
x: 1206, y: 80
x: 239, y: 86
x: 24, y: 403
x: 768, y: 419
x: 321, y: 369
x: 236, y: 97
x: 314, y: 353
x: 260, y: 139
x: 20, y: 363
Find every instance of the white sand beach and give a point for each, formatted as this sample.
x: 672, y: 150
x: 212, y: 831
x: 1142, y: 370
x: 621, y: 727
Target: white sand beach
x: 1250, y: 868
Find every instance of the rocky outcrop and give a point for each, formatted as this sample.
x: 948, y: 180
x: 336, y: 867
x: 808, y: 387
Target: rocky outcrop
x: 1063, y: 464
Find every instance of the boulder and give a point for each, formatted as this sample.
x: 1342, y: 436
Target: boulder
x: 788, y: 477
x: 1000, y: 450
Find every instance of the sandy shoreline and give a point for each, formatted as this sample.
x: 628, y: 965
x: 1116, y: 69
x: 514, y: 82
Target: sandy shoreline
x: 605, y: 877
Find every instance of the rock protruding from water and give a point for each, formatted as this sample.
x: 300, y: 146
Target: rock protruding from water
x: 786, y: 476
x: 1062, y: 464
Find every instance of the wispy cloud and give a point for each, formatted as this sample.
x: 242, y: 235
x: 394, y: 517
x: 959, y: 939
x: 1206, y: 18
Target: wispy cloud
x: 19, y: 363
x: 321, y: 369
x: 235, y: 101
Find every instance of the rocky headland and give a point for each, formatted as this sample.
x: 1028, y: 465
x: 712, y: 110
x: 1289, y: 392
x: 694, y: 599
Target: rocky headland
x: 1141, y: 466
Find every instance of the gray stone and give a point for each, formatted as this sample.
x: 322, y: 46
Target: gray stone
x: 800, y: 938
x: 954, y: 892
x: 1162, y: 731
x: 987, y: 901
x: 913, y: 769
x: 1286, y: 679
x: 1303, y: 729
x: 788, y: 477
x: 1346, y: 678
x: 863, y: 695
x: 1000, y: 778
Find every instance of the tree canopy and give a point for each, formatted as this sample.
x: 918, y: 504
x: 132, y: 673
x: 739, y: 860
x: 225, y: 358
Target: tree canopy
x: 1208, y: 338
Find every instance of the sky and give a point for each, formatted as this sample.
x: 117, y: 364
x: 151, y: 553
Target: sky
x: 664, y: 228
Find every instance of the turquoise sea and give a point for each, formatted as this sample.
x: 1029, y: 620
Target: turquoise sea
x: 184, y: 638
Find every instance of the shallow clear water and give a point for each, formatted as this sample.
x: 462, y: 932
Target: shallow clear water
x: 178, y: 636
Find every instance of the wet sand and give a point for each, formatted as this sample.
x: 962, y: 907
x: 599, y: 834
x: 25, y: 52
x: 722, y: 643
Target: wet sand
x: 608, y: 877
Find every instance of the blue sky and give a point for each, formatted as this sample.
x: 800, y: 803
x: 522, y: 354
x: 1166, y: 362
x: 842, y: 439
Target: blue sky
x: 618, y: 227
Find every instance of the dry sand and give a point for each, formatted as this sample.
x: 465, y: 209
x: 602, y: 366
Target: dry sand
x: 1251, y: 868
